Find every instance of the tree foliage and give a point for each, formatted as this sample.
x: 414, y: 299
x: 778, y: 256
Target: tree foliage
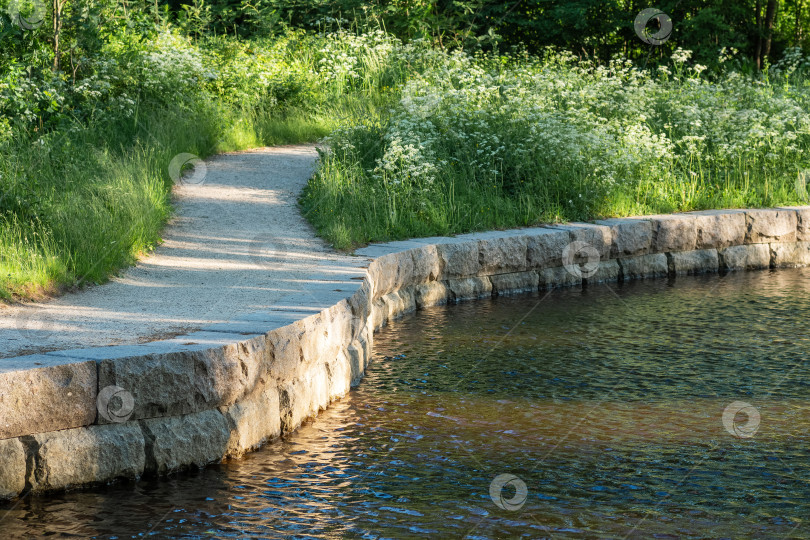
x: 598, y: 29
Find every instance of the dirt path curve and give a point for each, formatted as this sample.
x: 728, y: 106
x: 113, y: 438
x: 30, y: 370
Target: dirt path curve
x: 238, y: 244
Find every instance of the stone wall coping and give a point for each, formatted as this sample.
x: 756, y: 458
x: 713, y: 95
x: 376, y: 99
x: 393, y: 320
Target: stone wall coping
x: 305, y: 302
x: 307, y: 349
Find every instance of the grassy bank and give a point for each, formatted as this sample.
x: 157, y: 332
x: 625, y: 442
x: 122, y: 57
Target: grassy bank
x: 483, y: 142
x: 84, y: 180
x: 423, y: 141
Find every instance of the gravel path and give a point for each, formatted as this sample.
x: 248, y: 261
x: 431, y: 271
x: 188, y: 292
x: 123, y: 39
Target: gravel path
x: 238, y: 244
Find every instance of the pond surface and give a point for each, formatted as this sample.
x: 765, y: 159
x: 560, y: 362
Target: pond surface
x: 606, y: 403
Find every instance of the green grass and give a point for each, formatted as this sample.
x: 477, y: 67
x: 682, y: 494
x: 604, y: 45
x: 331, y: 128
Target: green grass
x: 421, y: 142
x: 85, y: 189
x: 479, y: 143
x: 100, y: 196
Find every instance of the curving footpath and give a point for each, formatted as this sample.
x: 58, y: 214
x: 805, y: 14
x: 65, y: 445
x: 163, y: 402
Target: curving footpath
x: 79, y: 416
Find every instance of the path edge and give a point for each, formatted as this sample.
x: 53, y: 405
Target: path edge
x: 91, y: 416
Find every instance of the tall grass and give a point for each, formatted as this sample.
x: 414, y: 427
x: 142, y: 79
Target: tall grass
x: 83, y: 198
x: 483, y: 142
x: 420, y: 142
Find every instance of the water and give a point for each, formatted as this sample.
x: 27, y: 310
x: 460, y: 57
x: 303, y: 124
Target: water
x: 606, y: 403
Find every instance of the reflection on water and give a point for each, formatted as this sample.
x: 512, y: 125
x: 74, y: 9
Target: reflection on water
x: 607, y: 403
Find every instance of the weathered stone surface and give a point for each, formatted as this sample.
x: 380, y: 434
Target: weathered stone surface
x: 316, y: 384
x: 393, y: 305
x: 178, y: 442
x: 459, y: 260
x: 12, y: 468
x: 426, y: 265
x: 288, y: 358
x: 719, y: 228
x: 295, y: 403
x: 361, y: 302
x: 189, y: 374
x: 357, y: 362
x: 654, y: 265
x: 766, y: 226
x: 323, y: 336
x: 557, y: 277
x: 469, y: 288
x: 502, y: 255
x: 339, y: 373
x: 391, y: 272
x: 677, y: 232
x: 252, y: 421
x: 750, y: 257
x: 398, y: 303
x: 224, y: 375
x: 787, y: 255
x: 517, y: 282
x: 381, y: 276
x: 359, y: 356
x: 607, y: 271
x: 693, y: 262
x: 544, y: 248
x: 311, y: 341
x: 430, y: 294
x: 378, y: 314
x: 80, y: 456
x: 600, y: 237
x: 45, y: 393
x: 802, y: 222
x: 630, y: 237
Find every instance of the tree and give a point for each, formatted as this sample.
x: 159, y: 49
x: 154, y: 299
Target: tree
x: 58, y: 7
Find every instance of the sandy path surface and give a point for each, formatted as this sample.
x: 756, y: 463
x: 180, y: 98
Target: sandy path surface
x: 238, y: 244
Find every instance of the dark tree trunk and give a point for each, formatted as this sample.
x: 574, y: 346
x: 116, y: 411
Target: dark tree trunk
x: 57, y: 25
x: 58, y: 6
x: 770, y: 18
x: 758, y: 47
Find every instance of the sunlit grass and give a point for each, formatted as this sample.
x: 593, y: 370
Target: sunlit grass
x: 478, y: 143
x: 421, y: 142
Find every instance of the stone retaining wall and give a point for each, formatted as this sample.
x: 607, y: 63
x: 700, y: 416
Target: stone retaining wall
x: 79, y: 417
